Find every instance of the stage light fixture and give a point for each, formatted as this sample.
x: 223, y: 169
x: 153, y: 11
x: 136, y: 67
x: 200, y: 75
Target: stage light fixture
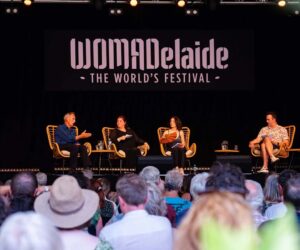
x: 115, y: 11
x: 27, y: 2
x: 181, y: 3
x: 192, y: 12
x: 281, y: 3
x: 133, y: 3
x: 11, y: 10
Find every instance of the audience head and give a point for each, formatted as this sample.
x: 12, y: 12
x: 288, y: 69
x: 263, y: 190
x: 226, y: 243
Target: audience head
x: 67, y: 205
x: 272, y: 191
x: 225, y: 208
x: 173, y: 180
x: 41, y: 178
x: 292, y: 191
x: 150, y: 174
x: 3, y: 209
x: 23, y: 187
x: 23, y: 183
x: 175, y: 122
x: 198, y: 183
x: 29, y: 231
x: 155, y: 204
x: 255, y: 195
x: 284, y: 176
x: 132, y: 191
x: 226, y: 177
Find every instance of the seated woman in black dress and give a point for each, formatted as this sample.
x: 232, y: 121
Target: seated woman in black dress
x: 126, y: 140
x: 175, y: 143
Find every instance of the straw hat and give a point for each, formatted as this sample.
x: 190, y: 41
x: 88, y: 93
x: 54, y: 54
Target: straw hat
x: 67, y: 205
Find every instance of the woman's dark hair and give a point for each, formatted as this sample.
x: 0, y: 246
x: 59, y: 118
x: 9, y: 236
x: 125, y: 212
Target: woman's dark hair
x: 177, y: 122
x: 123, y: 117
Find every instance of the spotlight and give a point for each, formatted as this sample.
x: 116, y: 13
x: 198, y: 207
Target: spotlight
x: 181, y: 3
x: 27, y: 2
x: 281, y: 3
x: 133, y: 3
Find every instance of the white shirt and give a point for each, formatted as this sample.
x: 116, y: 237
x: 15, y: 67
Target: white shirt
x: 139, y: 230
x: 78, y: 240
x: 276, y: 211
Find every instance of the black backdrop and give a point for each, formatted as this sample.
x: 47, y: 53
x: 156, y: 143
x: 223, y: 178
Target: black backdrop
x: 26, y: 108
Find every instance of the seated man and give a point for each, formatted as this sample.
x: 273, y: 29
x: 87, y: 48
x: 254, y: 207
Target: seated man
x: 270, y: 137
x: 67, y: 139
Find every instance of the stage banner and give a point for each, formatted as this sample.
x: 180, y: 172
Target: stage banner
x: 169, y: 60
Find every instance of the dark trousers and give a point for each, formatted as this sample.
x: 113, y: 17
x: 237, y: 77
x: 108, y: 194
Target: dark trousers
x: 131, y: 157
x: 178, y: 155
x: 74, y: 149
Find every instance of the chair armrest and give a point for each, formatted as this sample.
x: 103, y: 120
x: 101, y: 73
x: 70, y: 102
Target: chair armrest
x: 283, y: 150
x: 113, y: 147
x: 193, y: 148
x: 144, y: 149
x: 56, y: 151
x: 88, y: 147
x: 255, y: 148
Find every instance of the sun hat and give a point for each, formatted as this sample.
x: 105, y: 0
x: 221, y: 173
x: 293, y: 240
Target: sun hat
x: 67, y: 205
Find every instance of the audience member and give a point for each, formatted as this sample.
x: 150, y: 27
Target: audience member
x: 292, y: 194
x: 29, y: 231
x: 41, y: 178
x: 173, y: 184
x: 137, y: 229
x: 279, y: 210
x: 225, y: 208
x: 70, y: 208
x: 226, y: 177
x: 255, y: 198
x: 198, y: 183
x: 3, y: 209
x: 272, y: 192
x: 151, y: 174
x: 23, y: 189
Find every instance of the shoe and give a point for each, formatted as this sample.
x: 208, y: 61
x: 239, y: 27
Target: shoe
x: 274, y: 159
x: 263, y: 170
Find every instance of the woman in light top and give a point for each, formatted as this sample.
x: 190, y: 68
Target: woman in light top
x: 127, y: 142
x: 175, y: 143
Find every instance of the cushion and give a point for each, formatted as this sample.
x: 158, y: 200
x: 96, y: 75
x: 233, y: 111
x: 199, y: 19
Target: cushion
x: 188, y: 153
x: 168, y: 153
x: 65, y: 153
x: 122, y: 153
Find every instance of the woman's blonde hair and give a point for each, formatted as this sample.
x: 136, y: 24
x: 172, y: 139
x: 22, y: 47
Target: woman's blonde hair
x: 224, y: 208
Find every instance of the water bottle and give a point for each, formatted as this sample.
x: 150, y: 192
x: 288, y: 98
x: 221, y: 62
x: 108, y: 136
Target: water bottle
x: 109, y: 143
x: 101, y: 145
x: 224, y: 145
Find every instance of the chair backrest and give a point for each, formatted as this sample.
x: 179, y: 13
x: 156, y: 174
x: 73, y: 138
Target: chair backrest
x: 186, y: 132
x: 291, y: 129
x: 50, y: 130
x: 105, y: 134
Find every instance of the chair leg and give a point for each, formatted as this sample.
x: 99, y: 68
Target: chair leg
x: 291, y: 160
x: 121, y: 165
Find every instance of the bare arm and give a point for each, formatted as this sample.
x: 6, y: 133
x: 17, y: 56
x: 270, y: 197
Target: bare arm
x: 255, y: 141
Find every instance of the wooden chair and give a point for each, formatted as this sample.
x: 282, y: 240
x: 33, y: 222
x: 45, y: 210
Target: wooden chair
x: 190, y: 149
x: 56, y: 151
x: 283, y: 150
x: 118, y: 154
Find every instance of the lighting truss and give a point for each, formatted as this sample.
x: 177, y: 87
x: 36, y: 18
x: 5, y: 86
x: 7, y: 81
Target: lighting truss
x: 157, y: 2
